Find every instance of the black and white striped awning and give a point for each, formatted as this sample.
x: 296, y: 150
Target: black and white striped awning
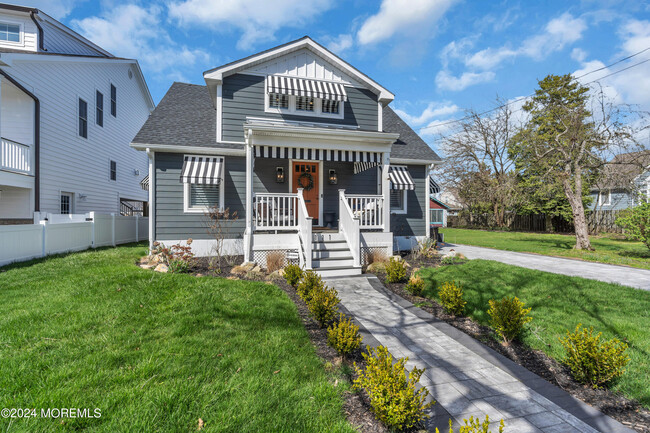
x: 302, y: 87
x: 144, y: 183
x: 363, y: 166
x: 434, y: 188
x: 206, y: 170
x: 400, y: 178
x: 316, y: 154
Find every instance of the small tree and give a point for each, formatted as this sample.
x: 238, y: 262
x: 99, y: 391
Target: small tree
x: 217, y: 222
x: 636, y: 223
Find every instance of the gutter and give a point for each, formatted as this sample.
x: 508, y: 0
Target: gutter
x: 41, y: 39
x: 37, y: 139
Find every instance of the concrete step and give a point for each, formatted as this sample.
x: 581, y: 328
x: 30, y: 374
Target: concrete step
x: 325, y: 253
x: 332, y: 262
x: 345, y: 271
x: 326, y: 237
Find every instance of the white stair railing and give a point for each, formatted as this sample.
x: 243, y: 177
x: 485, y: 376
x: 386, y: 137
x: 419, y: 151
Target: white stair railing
x: 15, y: 156
x: 350, y: 227
x: 275, y: 211
x: 304, y: 232
x: 369, y: 209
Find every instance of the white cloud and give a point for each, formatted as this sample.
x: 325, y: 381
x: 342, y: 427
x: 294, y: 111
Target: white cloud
x: 135, y: 32
x: 432, y: 111
x: 341, y: 43
x: 258, y: 20
x: 402, y: 16
x: 578, y: 54
x: 437, y: 128
x: 446, y: 81
x: 57, y: 9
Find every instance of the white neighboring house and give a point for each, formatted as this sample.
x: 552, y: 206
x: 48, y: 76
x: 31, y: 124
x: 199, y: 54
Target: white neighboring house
x: 69, y: 110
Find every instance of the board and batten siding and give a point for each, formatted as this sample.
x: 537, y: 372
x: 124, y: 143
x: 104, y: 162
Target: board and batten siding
x: 70, y: 163
x: 413, y: 223
x: 243, y: 95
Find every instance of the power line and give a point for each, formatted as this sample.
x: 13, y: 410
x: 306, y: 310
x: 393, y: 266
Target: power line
x: 450, y: 122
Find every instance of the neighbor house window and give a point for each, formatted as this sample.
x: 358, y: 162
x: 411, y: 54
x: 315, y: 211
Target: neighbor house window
x: 113, y: 101
x: 437, y: 216
x: 83, y: 118
x: 304, y: 103
x: 398, y: 200
x: 605, y: 198
x: 277, y: 100
x: 113, y: 170
x: 66, y: 203
x: 99, y: 108
x: 9, y: 32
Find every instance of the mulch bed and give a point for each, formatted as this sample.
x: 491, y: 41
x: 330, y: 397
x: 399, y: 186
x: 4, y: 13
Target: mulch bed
x: 356, y: 405
x: 626, y: 411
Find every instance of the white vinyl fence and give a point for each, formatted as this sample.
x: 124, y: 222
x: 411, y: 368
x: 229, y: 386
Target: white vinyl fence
x: 63, y: 233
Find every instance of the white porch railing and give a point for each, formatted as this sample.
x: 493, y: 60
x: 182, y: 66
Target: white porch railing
x: 304, y: 232
x: 275, y: 211
x: 350, y: 227
x: 15, y: 156
x: 369, y: 209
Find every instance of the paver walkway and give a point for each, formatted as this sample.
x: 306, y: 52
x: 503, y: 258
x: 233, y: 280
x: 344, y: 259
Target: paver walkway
x: 633, y: 277
x: 463, y: 376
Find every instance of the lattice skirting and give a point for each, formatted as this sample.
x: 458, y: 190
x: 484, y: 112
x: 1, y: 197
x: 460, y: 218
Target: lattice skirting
x: 290, y: 256
x: 367, y: 251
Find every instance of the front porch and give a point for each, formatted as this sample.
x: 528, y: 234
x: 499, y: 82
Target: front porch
x: 301, y: 180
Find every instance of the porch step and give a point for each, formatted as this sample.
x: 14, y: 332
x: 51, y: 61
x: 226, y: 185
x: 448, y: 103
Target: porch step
x: 327, y: 237
x: 344, y: 271
x: 329, y: 245
x: 333, y: 262
x: 326, y: 253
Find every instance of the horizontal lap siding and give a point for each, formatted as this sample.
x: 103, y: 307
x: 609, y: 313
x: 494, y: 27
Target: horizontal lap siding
x: 243, y: 95
x: 172, y: 222
x: 413, y: 222
x: 264, y: 179
x: 362, y: 183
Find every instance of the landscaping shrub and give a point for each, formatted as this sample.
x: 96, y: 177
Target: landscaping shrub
x: 274, y: 261
x: 323, y: 302
x: 308, y: 283
x: 178, y: 258
x: 426, y: 248
x: 453, y: 259
x: 591, y: 360
x: 636, y: 223
x: 393, y: 397
x: 344, y: 336
x: 508, y: 317
x: 376, y: 256
x: 415, y: 285
x: 451, y: 298
x: 475, y: 426
x: 293, y: 274
x: 395, y: 271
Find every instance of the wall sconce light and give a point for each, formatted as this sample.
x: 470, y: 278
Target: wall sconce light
x: 279, y: 174
x: 333, y: 178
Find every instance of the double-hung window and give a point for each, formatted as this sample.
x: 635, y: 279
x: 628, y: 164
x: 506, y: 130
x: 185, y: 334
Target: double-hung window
x: 203, y: 183
x: 330, y: 107
x: 398, y: 200
x: 113, y: 101
x: 113, y: 170
x: 10, y: 32
x: 83, y: 118
x: 279, y: 101
x: 99, y: 108
x: 305, y: 103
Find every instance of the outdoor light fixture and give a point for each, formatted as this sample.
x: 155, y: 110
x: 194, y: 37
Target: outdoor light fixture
x: 333, y: 178
x: 279, y: 174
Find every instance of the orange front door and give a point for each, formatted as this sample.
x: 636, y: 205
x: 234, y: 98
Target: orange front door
x: 306, y: 176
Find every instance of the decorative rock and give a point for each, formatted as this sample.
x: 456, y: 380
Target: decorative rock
x: 146, y: 266
x: 275, y: 276
x: 161, y: 268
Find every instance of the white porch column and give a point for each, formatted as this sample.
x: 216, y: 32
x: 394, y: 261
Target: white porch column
x: 385, y: 190
x: 427, y: 188
x: 248, y: 233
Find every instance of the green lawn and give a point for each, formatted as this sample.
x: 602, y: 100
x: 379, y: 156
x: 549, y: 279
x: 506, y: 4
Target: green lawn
x: 156, y: 352
x: 559, y: 303
x: 608, y: 249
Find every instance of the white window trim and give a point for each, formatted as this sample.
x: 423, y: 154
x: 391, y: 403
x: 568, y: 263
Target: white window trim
x: 21, y: 32
x: 404, y: 209
x: 109, y: 170
x: 186, y: 190
x: 609, y: 198
x: 318, y: 107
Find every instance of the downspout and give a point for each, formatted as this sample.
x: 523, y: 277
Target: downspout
x: 37, y: 138
x: 41, y: 42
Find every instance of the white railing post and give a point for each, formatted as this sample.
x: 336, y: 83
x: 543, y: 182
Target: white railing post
x: 248, y: 232
x: 304, y: 230
x: 349, y: 225
x: 385, y: 191
x: 369, y: 209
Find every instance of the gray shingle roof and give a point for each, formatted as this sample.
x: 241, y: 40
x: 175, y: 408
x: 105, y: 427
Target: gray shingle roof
x: 186, y: 117
x: 409, y: 145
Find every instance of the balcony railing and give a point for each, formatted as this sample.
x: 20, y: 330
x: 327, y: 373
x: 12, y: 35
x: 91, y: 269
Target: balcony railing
x: 368, y: 208
x: 275, y: 211
x: 15, y: 156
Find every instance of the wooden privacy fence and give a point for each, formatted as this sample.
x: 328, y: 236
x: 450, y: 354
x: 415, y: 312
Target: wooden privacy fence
x: 599, y: 221
x: 56, y: 234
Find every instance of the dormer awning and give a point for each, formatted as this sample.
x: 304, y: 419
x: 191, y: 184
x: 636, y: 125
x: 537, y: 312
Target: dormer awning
x: 302, y: 87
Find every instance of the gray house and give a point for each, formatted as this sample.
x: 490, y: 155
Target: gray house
x: 305, y: 149
x: 623, y: 182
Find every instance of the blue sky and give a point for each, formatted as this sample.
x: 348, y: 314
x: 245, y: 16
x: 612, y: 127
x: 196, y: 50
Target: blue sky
x: 439, y: 57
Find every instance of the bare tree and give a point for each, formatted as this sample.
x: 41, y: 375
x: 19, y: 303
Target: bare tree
x: 217, y: 223
x: 477, y: 161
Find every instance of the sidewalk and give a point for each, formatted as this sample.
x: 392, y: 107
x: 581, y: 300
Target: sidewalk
x: 624, y: 275
x: 463, y: 376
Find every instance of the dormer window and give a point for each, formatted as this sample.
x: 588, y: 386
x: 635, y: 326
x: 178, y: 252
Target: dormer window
x: 10, y: 32
x: 304, y: 97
